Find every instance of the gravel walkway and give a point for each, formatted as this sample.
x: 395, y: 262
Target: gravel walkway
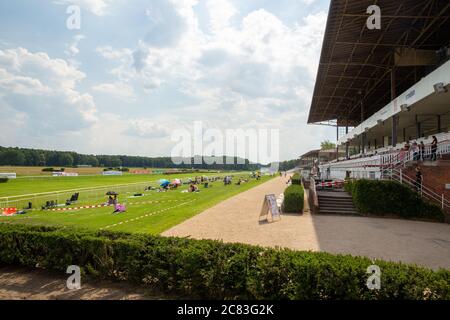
x: 236, y: 220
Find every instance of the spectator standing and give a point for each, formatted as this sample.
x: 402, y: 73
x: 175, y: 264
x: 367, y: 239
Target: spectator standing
x: 419, y: 179
x: 434, y: 145
x: 415, y: 151
x: 422, y: 150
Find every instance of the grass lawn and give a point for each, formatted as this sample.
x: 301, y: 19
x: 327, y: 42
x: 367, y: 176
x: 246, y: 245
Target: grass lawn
x: 37, y: 171
x: 31, y: 185
x: 152, y: 213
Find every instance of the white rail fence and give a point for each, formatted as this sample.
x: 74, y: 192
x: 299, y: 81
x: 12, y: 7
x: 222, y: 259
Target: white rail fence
x: 37, y: 200
x: 390, y: 159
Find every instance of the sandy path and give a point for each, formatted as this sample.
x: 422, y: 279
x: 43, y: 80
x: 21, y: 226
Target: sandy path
x: 236, y: 220
x: 32, y: 284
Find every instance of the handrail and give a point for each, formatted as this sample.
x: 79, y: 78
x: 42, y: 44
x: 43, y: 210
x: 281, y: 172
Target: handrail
x: 408, y: 179
x: 391, y: 158
x: 397, y: 175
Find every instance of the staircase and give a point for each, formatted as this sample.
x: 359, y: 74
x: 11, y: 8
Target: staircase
x: 336, y: 202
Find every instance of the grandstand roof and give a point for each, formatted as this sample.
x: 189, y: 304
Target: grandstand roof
x: 309, y: 154
x: 356, y: 63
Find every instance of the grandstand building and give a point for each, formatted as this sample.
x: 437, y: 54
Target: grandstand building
x: 387, y: 89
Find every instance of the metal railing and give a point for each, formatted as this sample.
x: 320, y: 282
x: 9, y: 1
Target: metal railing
x: 424, y: 191
x: 60, y: 197
x: 85, y: 194
x: 391, y: 158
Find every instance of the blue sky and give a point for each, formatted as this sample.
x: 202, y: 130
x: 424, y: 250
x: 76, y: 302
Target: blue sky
x: 136, y: 70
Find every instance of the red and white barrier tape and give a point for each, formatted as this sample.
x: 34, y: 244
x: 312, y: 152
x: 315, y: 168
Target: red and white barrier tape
x: 78, y: 208
x: 330, y: 184
x: 107, y: 205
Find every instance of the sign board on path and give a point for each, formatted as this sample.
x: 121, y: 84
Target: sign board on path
x: 270, y: 206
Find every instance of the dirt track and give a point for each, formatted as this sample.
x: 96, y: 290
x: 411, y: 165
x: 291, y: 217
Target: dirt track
x: 32, y: 284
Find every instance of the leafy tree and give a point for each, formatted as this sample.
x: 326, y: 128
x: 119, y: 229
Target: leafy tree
x: 326, y: 145
x: 65, y: 159
x: 92, y: 160
x: 50, y: 158
x: 41, y: 161
x: 13, y: 157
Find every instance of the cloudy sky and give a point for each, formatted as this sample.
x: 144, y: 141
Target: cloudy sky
x: 138, y: 69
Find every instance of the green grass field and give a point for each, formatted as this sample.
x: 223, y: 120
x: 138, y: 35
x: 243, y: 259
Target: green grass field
x: 30, y: 185
x: 152, y: 213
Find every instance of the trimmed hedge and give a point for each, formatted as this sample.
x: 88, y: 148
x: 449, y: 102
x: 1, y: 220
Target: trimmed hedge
x: 4, y: 179
x: 296, y: 179
x: 387, y: 198
x: 214, y: 270
x: 51, y: 169
x: 293, y: 199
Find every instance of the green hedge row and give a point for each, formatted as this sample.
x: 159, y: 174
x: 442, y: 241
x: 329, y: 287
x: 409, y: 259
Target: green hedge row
x: 391, y: 198
x: 293, y: 199
x: 51, y: 169
x: 4, y: 179
x: 214, y: 270
x: 296, y: 178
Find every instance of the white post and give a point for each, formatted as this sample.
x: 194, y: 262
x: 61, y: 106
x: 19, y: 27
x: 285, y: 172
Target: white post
x: 442, y: 202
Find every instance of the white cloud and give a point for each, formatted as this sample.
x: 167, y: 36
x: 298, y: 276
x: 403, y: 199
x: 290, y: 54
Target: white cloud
x: 220, y: 14
x: 229, y: 69
x: 113, y: 54
x: 308, y: 2
x: 72, y: 49
x: 43, y: 90
x: 250, y: 71
x: 17, y: 84
x: 118, y: 89
x: 148, y: 128
x: 97, y: 7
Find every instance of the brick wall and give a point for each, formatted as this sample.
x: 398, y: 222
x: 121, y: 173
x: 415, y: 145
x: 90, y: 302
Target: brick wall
x: 434, y: 177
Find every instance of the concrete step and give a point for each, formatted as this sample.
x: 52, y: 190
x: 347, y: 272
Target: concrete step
x: 337, y: 199
x: 336, y: 203
x: 349, y: 200
x: 337, y: 211
x: 329, y: 205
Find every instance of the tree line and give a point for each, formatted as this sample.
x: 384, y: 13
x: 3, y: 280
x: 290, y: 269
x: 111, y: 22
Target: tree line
x: 287, y: 165
x: 39, y: 157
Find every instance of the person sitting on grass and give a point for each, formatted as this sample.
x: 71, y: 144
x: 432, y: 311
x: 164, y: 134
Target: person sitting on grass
x: 110, y: 200
x: 193, y: 188
x: 119, y: 208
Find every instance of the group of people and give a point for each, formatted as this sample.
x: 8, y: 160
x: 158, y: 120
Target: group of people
x: 114, y: 201
x: 227, y: 180
x: 418, y: 150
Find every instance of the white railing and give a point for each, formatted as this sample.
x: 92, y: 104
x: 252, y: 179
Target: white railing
x: 86, y: 194
x: 425, y: 192
x: 391, y: 158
